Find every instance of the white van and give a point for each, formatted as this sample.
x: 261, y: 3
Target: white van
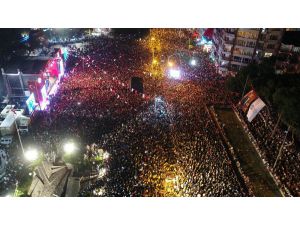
x: 6, y: 140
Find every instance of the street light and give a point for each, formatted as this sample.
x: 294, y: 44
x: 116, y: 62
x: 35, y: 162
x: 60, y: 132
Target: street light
x: 31, y: 155
x: 170, y: 64
x: 175, y: 74
x: 193, y: 62
x: 69, y: 147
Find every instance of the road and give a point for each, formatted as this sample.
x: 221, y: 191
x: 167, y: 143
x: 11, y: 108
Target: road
x: 251, y: 163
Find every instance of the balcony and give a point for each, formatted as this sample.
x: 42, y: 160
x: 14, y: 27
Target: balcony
x: 242, y: 33
x: 243, y: 54
x: 226, y: 49
x: 227, y: 41
x: 245, y: 45
x: 224, y: 57
x: 229, y: 30
x: 239, y: 63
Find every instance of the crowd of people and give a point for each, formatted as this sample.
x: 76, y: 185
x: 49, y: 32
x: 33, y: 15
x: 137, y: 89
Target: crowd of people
x: 161, y: 142
x: 278, y: 150
x: 172, y: 148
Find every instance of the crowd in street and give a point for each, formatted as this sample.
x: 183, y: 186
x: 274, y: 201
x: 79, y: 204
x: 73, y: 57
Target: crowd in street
x: 161, y: 142
x: 172, y: 148
x: 276, y: 144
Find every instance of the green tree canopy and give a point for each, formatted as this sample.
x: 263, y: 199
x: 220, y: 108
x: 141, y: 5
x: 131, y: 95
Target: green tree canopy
x: 282, y: 92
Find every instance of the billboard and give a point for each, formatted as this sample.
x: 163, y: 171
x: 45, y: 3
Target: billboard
x: 43, y: 102
x: 255, y: 108
x: 31, y: 103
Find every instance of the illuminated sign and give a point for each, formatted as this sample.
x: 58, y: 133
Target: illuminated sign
x: 43, y: 103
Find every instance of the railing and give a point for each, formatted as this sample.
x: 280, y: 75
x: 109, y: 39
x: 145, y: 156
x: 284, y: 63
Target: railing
x: 226, y: 41
x: 242, y: 53
x: 225, y: 57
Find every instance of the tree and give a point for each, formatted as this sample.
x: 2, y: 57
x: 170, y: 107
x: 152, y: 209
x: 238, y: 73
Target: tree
x: 280, y: 91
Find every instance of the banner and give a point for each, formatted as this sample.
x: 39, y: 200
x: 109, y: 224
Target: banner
x: 247, y: 100
x: 255, y: 108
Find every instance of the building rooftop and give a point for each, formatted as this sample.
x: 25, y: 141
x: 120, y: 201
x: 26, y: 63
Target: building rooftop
x: 50, y: 180
x: 27, y: 65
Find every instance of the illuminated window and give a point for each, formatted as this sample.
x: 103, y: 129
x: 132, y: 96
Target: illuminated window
x: 268, y: 54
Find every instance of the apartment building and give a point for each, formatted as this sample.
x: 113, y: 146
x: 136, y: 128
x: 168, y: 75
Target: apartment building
x: 234, y: 48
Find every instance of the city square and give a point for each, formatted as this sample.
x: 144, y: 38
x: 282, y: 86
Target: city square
x: 146, y: 112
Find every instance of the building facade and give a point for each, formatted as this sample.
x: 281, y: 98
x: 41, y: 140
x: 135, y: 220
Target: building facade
x: 235, y: 48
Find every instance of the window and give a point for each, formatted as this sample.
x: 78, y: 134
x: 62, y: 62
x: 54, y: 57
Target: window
x: 268, y: 54
x: 246, y: 34
x: 270, y: 46
x: 246, y: 60
x: 237, y: 59
x: 250, y: 44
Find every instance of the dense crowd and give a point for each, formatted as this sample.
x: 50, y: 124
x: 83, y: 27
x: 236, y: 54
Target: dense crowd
x: 162, y: 142
x: 273, y: 138
x: 172, y: 148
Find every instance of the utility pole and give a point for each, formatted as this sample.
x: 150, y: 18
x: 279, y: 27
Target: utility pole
x: 277, y: 123
x: 19, y: 136
x: 281, y: 147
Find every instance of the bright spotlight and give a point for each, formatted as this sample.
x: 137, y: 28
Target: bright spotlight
x: 193, y: 62
x: 175, y: 74
x: 170, y: 64
x: 31, y: 155
x: 69, y: 147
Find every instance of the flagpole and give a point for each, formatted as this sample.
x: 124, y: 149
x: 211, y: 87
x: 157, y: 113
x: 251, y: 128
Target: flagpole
x: 281, y: 147
x: 245, y: 86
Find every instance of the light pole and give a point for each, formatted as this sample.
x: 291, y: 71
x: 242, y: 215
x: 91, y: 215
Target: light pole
x: 69, y: 147
x: 19, y: 136
x: 31, y: 155
x: 281, y: 147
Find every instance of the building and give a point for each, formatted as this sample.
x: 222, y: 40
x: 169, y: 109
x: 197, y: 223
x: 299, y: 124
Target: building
x: 50, y: 180
x: 10, y: 117
x: 34, y: 79
x: 235, y: 48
